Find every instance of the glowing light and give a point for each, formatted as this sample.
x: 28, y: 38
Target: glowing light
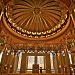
x: 38, y: 33
x: 34, y: 33
x: 74, y: 10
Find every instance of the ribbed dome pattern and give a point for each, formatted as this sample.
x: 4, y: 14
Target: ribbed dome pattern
x: 36, y: 15
x: 36, y: 18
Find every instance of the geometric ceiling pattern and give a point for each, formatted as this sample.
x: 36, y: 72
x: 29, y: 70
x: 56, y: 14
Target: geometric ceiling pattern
x: 36, y: 18
x: 36, y: 15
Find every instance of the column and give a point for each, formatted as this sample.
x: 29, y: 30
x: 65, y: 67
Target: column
x: 48, y: 64
x: 23, y: 63
x: 9, y: 62
x: 14, y: 60
x: 73, y: 61
x: 67, y: 60
x: 15, y: 66
x: 55, y: 61
x: 61, y: 62
x: 3, y: 63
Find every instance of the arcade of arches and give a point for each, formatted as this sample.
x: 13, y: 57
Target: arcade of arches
x: 37, y: 37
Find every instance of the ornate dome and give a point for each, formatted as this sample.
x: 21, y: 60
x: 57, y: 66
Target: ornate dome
x: 36, y: 18
x: 36, y: 15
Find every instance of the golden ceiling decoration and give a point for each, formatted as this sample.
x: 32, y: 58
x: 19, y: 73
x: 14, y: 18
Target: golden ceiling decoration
x: 36, y: 15
x: 36, y: 18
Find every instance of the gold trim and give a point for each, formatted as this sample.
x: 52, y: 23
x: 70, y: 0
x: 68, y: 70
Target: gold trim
x: 37, y: 39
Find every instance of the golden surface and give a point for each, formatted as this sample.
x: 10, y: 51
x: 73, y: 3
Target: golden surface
x: 36, y: 18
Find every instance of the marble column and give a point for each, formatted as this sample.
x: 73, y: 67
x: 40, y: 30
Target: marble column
x: 67, y: 60
x: 55, y: 61
x: 14, y: 56
x: 61, y: 62
x: 9, y: 64
x: 15, y: 66
x: 3, y: 60
x: 48, y: 64
x: 23, y: 63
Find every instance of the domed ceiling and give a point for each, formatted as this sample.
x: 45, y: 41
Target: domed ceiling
x: 36, y: 19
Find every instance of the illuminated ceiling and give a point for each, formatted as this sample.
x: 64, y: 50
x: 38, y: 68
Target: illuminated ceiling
x: 36, y: 19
